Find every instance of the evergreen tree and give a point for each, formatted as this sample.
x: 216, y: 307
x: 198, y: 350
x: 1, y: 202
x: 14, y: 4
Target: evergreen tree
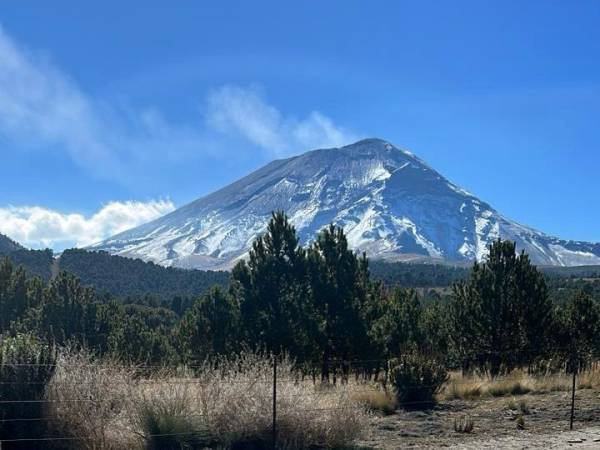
x: 14, y: 298
x: 340, y: 287
x: 500, y: 316
x: 272, y: 291
x: 62, y: 315
x: 210, y: 327
x: 398, y: 329
x: 579, y: 325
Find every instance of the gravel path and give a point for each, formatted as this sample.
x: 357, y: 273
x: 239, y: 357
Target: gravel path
x: 495, y: 425
x: 582, y: 439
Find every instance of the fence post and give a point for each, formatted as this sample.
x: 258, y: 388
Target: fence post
x: 274, y: 402
x: 573, y: 397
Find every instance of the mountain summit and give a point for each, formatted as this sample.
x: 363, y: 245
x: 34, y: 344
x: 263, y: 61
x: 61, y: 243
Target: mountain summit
x: 391, y: 204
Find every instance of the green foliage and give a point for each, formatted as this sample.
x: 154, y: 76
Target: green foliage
x: 169, y: 425
x: 13, y: 293
x: 578, y: 337
x: 270, y: 290
x: 417, y: 379
x: 35, y: 262
x: 417, y: 275
x: 398, y: 328
x: 339, y: 283
x: 210, y: 327
x: 501, y: 316
x: 26, y: 366
x: 63, y: 313
x: 7, y: 245
x: 126, y: 277
x: 319, y: 303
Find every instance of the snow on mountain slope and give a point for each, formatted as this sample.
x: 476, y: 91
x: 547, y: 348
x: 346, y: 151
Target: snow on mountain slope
x: 390, y: 203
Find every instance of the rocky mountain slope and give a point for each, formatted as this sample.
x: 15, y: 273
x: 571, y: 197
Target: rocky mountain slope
x: 391, y: 204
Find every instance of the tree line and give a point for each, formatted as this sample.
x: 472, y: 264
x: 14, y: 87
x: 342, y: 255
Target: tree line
x: 320, y: 304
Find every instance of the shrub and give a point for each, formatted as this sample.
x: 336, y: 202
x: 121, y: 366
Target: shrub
x: 417, y: 380
x: 225, y: 403
x: 464, y: 424
x: 375, y: 399
x: 26, y: 366
x: 522, y: 406
x: 235, y: 395
x: 508, y: 387
x: 90, y: 401
x: 167, y: 420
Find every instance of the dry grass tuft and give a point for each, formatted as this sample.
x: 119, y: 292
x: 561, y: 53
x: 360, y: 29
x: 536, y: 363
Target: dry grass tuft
x: 227, y: 403
x: 522, y: 406
x: 236, y: 400
x: 464, y: 424
x: 165, y: 416
x: 375, y: 399
x: 90, y: 401
x: 517, y: 383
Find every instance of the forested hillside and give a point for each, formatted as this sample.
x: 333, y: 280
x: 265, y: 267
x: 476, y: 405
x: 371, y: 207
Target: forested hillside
x: 125, y: 277
x: 35, y: 262
x: 7, y: 245
x: 132, y: 279
x: 417, y: 275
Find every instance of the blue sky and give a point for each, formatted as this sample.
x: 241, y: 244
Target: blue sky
x: 114, y: 113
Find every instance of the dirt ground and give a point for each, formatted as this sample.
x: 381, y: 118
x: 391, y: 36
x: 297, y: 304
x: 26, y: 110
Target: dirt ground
x: 495, y: 425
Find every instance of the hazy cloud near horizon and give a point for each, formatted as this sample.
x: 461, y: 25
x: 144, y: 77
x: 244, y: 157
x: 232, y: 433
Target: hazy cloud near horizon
x: 38, y: 227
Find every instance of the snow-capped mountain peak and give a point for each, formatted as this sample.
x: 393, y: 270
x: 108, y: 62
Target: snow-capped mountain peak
x: 391, y: 204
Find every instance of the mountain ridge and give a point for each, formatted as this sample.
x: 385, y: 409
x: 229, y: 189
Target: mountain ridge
x: 7, y: 245
x: 391, y: 203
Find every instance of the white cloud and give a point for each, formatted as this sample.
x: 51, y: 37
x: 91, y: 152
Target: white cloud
x: 38, y: 227
x: 232, y: 109
x: 42, y: 108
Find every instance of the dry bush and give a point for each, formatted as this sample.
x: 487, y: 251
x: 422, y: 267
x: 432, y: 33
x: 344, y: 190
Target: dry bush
x: 102, y: 405
x: 237, y: 400
x: 462, y: 388
x: 165, y: 417
x: 89, y: 401
x: 519, y: 382
x: 374, y: 398
x: 230, y: 402
x: 464, y: 424
x: 522, y: 406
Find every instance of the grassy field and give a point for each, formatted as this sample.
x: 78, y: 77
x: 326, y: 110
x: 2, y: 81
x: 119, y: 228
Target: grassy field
x: 95, y: 405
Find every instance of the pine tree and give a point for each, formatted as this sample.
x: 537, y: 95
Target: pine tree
x: 340, y: 287
x: 272, y: 291
x: 398, y: 328
x: 580, y: 325
x: 210, y: 327
x: 14, y: 298
x: 501, y: 315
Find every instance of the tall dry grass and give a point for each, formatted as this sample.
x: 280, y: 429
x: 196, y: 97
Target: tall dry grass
x: 225, y: 403
x: 518, y: 382
x: 89, y: 402
x: 232, y: 403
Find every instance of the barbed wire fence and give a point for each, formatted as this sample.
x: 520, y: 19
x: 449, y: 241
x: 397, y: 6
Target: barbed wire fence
x: 278, y: 395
